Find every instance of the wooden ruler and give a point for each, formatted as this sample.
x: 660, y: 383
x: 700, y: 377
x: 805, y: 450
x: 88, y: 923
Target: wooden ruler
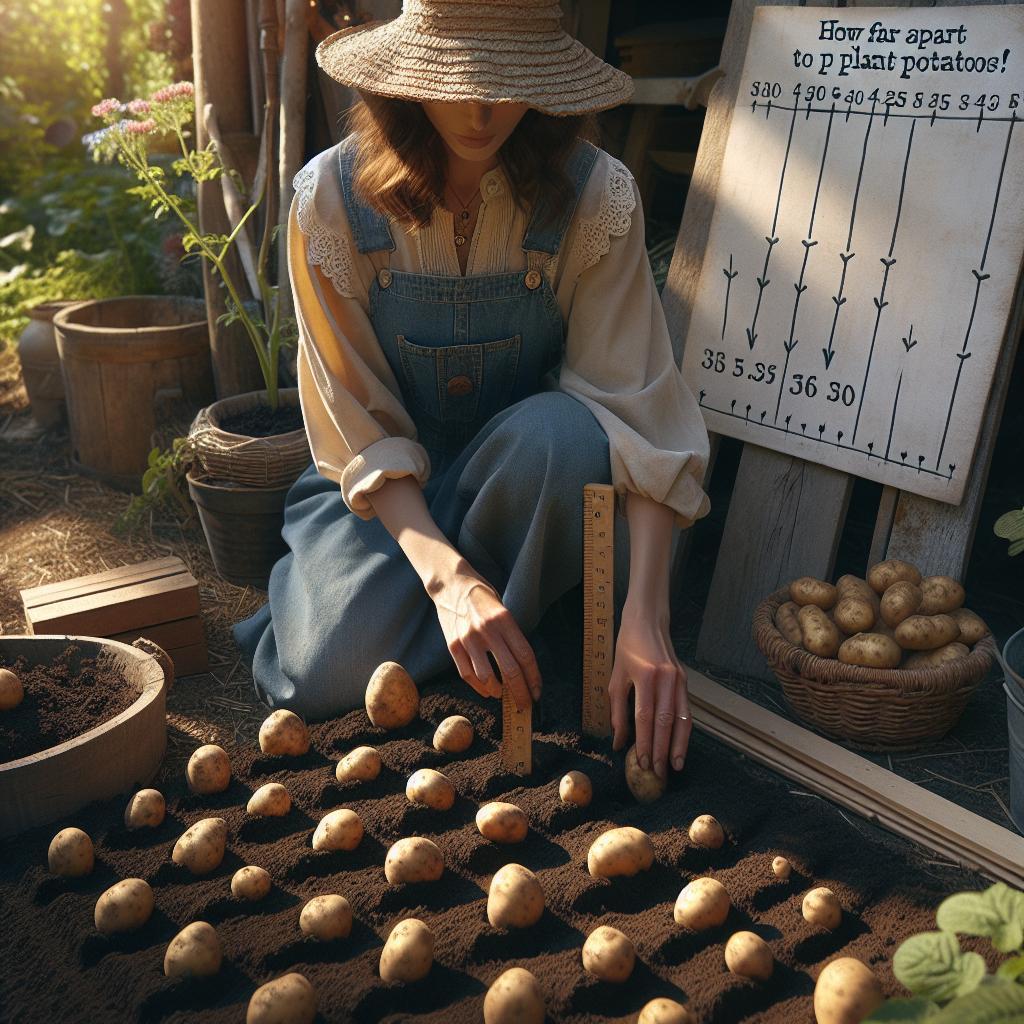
x: 516, y: 735
x: 598, y: 605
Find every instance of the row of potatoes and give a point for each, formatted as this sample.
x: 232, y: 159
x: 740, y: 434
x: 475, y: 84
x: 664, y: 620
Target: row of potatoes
x: 896, y: 618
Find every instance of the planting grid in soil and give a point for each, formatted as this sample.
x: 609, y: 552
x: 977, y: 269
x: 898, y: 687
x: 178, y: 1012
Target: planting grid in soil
x: 48, y: 921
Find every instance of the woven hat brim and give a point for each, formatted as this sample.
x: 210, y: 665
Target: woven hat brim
x: 554, y: 72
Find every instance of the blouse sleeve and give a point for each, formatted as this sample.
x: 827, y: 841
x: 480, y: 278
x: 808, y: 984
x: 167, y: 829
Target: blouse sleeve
x: 618, y: 362
x: 360, y: 433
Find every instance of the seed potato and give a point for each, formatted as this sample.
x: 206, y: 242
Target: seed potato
x: 926, y: 632
x: 846, y: 992
x: 706, y: 831
x: 327, y: 917
x: 502, y: 823
x: 972, y: 626
x: 872, y: 650
x: 822, y: 908
x: 608, y: 954
x: 941, y: 594
x: 786, y: 622
x: 854, y: 586
x: 900, y: 601
x: 575, y: 788
x: 514, y: 997
x: 781, y: 867
x: 201, y: 847
x: 284, y: 733
x: 882, y: 575
x: 194, y: 952
x: 270, y: 801
x: 820, y: 635
x: 290, y: 999
x: 665, y: 1011
x: 515, y: 898
x: 620, y: 851
x: 125, y: 906
x: 931, y: 659
x: 209, y: 770
x: 250, y: 883
x: 392, y: 699
x: 854, y: 615
x: 146, y: 809
x: 749, y: 956
x: 340, y: 830
x: 702, y: 904
x: 810, y: 591
x: 409, y: 952
x: 414, y: 859
x: 454, y: 735
x: 644, y: 784
x: 12, y: 693
x: 430, y: 789
x: 362, y: 764
x: 71, y: 854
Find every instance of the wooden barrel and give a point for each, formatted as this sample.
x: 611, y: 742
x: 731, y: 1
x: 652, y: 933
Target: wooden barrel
x: 40, y: 363
x: 112, y: 758
x: 123, y: 361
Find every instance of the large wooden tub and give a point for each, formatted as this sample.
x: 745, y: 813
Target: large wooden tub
x: 112, y: 758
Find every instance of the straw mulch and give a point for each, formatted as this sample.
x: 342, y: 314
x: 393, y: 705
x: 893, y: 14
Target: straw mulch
x: 56, y: 524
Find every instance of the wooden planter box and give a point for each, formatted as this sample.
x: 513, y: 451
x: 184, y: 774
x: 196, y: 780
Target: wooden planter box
x: 112, y: 758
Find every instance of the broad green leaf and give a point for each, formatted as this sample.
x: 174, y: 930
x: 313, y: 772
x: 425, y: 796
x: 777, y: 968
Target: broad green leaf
x: 932, y: 965
x: 154, y: 457
x: 1012, y: 969
x: 997, y: 913
x: 1010, y: 525
x: 906, y: 1011
x: 997, y: 1003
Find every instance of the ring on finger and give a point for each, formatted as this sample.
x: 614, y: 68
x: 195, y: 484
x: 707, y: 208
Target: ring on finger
x: 683, y: 718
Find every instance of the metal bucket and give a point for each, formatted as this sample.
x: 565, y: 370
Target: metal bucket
x: 1013, y: 666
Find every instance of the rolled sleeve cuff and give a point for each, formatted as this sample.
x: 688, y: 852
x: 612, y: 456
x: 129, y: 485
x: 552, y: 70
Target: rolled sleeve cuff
x: 685, y: 496
x: 384, y: 460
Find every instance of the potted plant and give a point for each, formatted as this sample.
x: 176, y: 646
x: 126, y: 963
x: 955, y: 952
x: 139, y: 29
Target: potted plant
x: 244, y: 451
x: 1010, y: 526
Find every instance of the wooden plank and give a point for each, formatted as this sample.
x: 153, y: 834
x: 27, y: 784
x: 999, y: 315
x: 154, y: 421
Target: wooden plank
x: 117, y: 611
x: 188, y: 661
x: 784, y: 521
x: 153, y: 568
x: 172, y: 635
x: 854, y: 781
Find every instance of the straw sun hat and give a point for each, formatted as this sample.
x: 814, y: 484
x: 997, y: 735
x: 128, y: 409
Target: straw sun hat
x: 492, y: 51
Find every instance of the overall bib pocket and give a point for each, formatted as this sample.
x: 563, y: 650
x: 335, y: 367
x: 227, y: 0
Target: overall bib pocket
x: 460, y: 383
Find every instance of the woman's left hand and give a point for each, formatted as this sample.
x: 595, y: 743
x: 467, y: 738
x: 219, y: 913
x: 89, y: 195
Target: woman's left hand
x: 646, y: 662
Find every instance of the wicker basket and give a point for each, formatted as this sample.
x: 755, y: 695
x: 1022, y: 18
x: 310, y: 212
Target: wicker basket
x: 873, y: 708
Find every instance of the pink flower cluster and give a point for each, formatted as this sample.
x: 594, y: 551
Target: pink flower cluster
x: 138, y: 107
x: 106, y: 107
x: 139, y: 127
x: 173, y: 92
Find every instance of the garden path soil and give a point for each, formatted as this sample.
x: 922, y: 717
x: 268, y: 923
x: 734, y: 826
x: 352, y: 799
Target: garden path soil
x: 62, y: 700
x: 58, y: 966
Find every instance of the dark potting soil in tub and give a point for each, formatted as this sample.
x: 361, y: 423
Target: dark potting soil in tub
x: 57, y: 966
x: 262, y: 422
x: 62, y: 700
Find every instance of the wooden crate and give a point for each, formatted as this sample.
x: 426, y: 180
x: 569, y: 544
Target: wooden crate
x: 158, y: 599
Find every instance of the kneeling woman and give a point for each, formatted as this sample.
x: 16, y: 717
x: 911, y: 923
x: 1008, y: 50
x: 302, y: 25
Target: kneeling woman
x: 480, y: 337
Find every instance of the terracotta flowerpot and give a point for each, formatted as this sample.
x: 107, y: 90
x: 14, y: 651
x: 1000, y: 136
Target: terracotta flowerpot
x: 40, y: 363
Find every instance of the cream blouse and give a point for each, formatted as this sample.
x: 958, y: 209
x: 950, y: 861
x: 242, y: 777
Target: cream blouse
x: 618, y: 355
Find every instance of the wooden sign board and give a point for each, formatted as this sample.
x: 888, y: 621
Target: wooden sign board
x: 866, y: 239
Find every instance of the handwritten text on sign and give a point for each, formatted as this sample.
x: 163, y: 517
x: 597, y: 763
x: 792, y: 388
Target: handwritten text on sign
x: 866, y: 240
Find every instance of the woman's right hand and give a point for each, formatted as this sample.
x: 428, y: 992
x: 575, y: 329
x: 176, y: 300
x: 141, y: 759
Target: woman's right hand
x: 474, y: 621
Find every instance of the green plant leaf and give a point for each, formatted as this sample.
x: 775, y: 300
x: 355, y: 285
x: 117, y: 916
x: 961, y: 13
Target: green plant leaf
x: 1010, y: 525
x: 1012, y: 969
x: 932, y: 965
x: 996, y: 1003
x: 907, y: 1011
x: 997, y: 913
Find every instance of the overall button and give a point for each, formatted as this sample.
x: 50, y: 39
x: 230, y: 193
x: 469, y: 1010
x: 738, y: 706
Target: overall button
x: 384, y: 277
x: 492, y: 188
x: 460, y: 385
x: 532, y: 279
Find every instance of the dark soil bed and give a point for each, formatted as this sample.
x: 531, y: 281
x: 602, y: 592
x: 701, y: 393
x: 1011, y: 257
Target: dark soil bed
x: 62, y: 700
x: 262, y: 422
x: 57, y: 966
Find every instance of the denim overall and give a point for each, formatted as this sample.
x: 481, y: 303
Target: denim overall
x: 476, y: 359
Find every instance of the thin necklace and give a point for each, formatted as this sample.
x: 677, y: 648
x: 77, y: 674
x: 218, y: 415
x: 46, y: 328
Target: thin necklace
x: 460, y: 238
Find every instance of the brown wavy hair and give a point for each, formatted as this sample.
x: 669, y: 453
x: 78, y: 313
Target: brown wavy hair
x: 401, y: 164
